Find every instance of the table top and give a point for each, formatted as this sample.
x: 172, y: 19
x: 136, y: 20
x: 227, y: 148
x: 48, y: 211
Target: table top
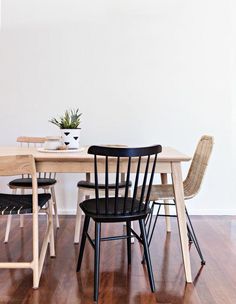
x: 168, y: 154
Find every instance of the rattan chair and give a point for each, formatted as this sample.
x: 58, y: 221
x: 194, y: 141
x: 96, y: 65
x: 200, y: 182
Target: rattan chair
x: 191, y: 185
x: 12, y: 204
x: 46, y: 182
x: 115, y: 208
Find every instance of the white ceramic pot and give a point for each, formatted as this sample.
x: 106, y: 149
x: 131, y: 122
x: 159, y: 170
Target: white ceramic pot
x: 71, y: 138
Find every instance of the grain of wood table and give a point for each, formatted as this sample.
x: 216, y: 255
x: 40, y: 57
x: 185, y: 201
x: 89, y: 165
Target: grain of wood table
x: 169, y: 162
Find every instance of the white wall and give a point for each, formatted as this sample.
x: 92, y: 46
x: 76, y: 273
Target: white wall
x: 142, y: 72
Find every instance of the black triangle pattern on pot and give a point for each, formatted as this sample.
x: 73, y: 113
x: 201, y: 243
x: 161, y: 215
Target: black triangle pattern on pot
x: 76, y: 137
x: 66, y: 133
x: 66, y: 143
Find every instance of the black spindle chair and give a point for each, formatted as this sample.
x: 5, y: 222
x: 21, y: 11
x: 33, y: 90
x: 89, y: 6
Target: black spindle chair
x: 114, y: 208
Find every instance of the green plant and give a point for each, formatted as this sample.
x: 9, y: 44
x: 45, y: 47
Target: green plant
x: 70, y: 120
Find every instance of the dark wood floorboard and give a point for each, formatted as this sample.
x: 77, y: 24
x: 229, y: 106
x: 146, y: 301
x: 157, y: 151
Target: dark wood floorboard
x: 213, y: 284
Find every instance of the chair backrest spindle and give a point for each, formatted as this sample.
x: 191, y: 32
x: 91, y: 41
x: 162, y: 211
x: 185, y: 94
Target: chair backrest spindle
x: 136, y: 183
x: 27, y: 141
x: 150, y: 184
x: 106, y: 184
x: 117, y: 182
x: 127, y: 184
x: 96, y: 183
x: 125, y: 161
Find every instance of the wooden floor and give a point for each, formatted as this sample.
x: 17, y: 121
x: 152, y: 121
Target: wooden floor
x: 213, y: 283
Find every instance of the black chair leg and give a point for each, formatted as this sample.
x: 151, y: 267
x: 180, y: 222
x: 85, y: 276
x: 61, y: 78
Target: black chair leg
x: 149, y: 214
x: 83, y: 240
x: 154, y: 225
x: 147, y: 254
x: 149, y: 222
x: 194, y: 239
x: 149, y: 237
x: 97, y: 260
x: 190, y: 237
x: 128, y: 226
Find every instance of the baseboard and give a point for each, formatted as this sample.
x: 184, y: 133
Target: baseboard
x: 212, y: 211
x: 194, y: 211
x: 66, y: 211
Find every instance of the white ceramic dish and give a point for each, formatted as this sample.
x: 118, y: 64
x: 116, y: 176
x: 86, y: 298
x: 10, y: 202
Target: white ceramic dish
x: 60, y: 151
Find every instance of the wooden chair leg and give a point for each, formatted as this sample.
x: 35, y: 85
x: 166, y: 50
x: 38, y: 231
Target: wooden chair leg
x: 132, y: 226
x: 78, y: 216
x: 8, y: 227
x: 133, y: 238
x: 97, y: 260
x: 35, y: 250
x: 21, y: 221
x: 83, y: 240
x: 22, y: 215
x: 9, y: 218
x: 147, y: 254
x: 47, y: 206
x: 55, y: 206
x: 128, y: 225
x: 164, y: 181
x: 132, y: 223
x: 50, y: 221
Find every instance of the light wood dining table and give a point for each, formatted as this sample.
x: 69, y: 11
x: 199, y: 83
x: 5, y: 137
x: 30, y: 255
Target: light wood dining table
x: 169, y: 162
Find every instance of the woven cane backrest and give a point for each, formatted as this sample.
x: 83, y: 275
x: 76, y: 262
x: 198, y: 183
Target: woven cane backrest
x: 198, y: 166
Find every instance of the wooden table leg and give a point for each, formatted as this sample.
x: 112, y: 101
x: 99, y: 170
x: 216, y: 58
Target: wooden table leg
x: 122, y: 179
x: 88, y: 179
x: 181, y: 217
x: 167, y: 207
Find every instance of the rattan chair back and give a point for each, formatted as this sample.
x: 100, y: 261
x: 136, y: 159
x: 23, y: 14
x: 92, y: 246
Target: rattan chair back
x: 198, y: 166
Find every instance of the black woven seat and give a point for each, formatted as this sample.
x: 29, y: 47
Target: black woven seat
x: 27, y: 182
x: 122, y: 213
x: 90, y: 185
x: 20, y: 204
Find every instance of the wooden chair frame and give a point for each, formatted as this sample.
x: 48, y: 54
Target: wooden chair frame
x: 25, y: 164
x: 35, y: 141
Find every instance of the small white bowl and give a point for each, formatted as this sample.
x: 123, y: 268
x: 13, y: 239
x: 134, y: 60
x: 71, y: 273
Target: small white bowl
x: 52, y: 143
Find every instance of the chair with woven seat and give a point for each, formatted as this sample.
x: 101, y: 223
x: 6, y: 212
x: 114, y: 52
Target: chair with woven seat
x: 11, y: 204
x: 113, y: 208
x: 86, y: 190
x: 191, y: 185
x: 46, y: 181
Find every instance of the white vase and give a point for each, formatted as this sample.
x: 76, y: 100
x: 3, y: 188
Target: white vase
x: 71, y: 138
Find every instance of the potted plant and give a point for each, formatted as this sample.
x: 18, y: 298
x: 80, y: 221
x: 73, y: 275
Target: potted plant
x: 69, y: 124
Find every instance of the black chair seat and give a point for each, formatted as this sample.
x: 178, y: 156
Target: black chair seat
x: 27, y: 182
x: 90, y: 185
x: 89, y: 208
x: 20, y: 204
